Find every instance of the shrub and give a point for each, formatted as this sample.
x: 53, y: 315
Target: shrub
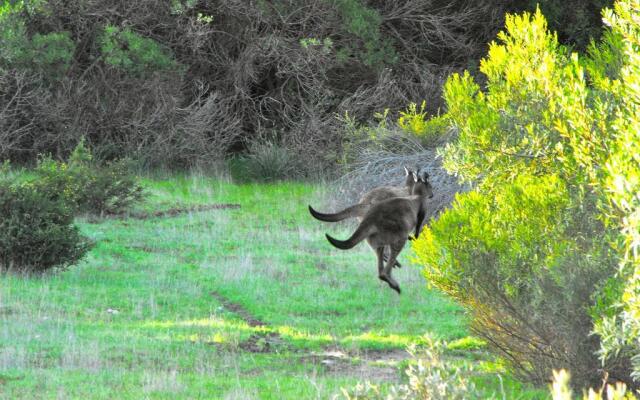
x: 267, y: 161
x: 49, y: 54
x: 364, y: 22
x: 429, y: 377
x: 534, y: 251
x: 612, y: 165
x: 417, y: 123
x: 36, y: 231
x: 576, y: 21
x: 87, y: 186
x: 512, y: 258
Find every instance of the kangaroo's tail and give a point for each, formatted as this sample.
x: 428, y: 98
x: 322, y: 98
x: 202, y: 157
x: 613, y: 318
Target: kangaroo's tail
x: 358, y: 236
x: 349, y: 212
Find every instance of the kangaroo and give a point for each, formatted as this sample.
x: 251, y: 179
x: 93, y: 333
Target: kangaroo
x: 371, y: 197
x: 388, y: 223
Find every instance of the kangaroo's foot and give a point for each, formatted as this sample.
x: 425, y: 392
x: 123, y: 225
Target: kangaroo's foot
x: 396, y: 264
x: 391, y: 282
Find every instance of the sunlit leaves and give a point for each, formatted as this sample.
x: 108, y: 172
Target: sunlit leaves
x: 546, y: 113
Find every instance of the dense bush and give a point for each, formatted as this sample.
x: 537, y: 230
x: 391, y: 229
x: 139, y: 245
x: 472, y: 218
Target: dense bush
x: 36, y: 231
x: 513, y: 259
x: 185, y: 83
x: 534, y: 250
x: 86, y: 186
x: 612, y: 166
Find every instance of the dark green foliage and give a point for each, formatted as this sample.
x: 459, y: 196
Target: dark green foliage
x: 132, y: 53
x: 192, y: 82
x: 365, y: 23
x: 49, y: 54
x: 576, y: 21
x: 36, y: 231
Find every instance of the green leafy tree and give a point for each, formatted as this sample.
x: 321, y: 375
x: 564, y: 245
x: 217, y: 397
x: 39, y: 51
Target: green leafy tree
x: 364, y: 22
x: 47, y: 53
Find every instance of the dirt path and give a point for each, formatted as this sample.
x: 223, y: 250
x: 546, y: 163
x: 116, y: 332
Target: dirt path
x: 172, y: 212
x: 374, y: 365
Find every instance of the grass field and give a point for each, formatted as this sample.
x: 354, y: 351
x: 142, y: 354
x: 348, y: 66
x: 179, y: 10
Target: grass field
x: 214, y: 290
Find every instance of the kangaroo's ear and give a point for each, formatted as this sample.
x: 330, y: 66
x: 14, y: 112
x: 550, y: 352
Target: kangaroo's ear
x: 407, y: 171
x: 415, y: 176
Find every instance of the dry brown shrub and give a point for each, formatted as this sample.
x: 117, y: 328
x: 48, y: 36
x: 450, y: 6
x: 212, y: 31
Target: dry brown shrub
x: 244, y: 71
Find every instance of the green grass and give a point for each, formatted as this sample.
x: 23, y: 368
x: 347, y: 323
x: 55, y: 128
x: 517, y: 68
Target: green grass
x: 227, y: 303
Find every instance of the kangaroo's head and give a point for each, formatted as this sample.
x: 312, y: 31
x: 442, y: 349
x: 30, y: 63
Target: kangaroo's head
x: 421, y: 184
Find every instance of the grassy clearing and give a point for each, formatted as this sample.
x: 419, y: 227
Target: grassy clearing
x: 234, y: 303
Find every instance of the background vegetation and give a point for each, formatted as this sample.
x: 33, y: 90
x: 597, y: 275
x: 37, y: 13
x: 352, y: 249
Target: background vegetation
x: 185, y: 83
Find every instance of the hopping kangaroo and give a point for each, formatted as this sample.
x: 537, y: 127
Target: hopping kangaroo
x: 388, y: 223
x: 373, y: 196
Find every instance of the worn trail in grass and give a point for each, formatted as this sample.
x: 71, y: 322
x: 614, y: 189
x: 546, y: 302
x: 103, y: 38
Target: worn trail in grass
x: 185, y: 299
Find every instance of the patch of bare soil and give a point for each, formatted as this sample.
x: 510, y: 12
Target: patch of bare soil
x: 6, y: 310
x: 375, y: 365
x: 172, y: 212
x: 237, y: 309
x: 4, y: 379
x: 267, y: 342
x: 259, y: 342
x: 148, y: 249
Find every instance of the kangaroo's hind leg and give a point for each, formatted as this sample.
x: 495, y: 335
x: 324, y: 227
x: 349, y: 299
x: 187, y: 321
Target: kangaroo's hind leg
x: 385, y: 256
x: 381, y: 270
x: 395, y: 264
x: 395, y: 248
x: 380, y: 255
